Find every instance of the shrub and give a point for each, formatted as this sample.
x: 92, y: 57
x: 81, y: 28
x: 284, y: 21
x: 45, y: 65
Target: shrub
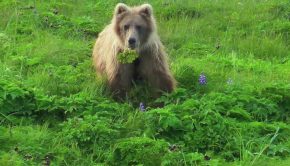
x: 138, y: 150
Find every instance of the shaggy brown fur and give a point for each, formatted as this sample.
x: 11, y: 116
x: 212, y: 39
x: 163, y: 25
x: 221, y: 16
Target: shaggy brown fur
x: 136, y: 23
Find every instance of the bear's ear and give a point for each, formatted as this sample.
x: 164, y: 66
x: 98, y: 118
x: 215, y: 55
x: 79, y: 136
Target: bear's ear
x: 121, y: 8
x: 146, y: 9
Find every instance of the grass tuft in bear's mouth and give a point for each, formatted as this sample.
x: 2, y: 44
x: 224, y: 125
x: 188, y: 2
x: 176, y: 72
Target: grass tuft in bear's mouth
x: 127, y: 56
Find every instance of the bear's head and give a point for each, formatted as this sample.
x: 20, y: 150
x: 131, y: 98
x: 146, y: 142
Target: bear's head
x: 134, y: 25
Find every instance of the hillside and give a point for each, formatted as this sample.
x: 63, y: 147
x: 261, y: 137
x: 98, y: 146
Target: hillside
x: 55, y: 111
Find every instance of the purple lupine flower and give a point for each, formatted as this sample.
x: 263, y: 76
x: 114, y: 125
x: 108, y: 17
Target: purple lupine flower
x: 142, y: 107
x: 202, y: 79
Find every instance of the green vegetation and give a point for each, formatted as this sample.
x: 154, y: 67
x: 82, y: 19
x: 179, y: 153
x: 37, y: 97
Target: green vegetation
x: 128, y: 56
x: 54, y: 111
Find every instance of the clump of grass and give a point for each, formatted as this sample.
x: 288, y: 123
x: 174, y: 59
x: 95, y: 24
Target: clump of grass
x: 127, y: 56
x: 132, y: 150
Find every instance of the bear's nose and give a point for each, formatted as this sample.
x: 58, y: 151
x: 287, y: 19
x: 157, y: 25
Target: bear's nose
x: 132, y: 41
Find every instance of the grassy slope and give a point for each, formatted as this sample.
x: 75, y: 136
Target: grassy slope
x: 46, y: 78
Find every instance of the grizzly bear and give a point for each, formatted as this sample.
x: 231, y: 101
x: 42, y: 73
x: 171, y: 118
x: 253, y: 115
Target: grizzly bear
x: 132, y: 28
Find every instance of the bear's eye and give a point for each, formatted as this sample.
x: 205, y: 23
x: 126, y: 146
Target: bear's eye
x: 126, y: 27
x: 138, y: 27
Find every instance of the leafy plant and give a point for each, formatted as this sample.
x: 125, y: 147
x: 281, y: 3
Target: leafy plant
x: 127, y: 56
x: 131, y: 151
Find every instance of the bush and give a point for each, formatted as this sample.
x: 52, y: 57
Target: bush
x: 134, y: 151
x: 90, y: 130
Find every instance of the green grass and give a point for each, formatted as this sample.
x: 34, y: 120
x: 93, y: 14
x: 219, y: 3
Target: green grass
x: 55, y: 111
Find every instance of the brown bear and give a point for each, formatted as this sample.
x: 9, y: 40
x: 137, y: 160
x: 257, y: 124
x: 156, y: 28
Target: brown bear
x: 132, y: 28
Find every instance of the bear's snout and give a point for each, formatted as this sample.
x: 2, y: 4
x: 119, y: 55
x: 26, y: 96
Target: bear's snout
x: 132, y: 42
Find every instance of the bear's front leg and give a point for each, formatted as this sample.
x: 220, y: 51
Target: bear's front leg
x: 161, y: 80
x: 120, y: 80
x: 158, y: 75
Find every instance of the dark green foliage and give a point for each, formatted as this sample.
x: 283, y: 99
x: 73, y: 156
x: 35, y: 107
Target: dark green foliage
x: 4, y: 44
x: 175, y: 10
x: 178, y: 159
x: 281, y: 10
x: 62, y: 24
x: 15, y: 99
x: 209, y: 122
x: 90, y: 130
x: 281, y: 95
x: 132, y: 151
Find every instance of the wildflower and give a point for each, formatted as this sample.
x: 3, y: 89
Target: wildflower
x: 229, y: 81
x: 142, y: 107
x: 202, y: 79
x: 173, y: 147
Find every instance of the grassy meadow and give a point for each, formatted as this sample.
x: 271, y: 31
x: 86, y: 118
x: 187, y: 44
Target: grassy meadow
x: 55, y: 111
